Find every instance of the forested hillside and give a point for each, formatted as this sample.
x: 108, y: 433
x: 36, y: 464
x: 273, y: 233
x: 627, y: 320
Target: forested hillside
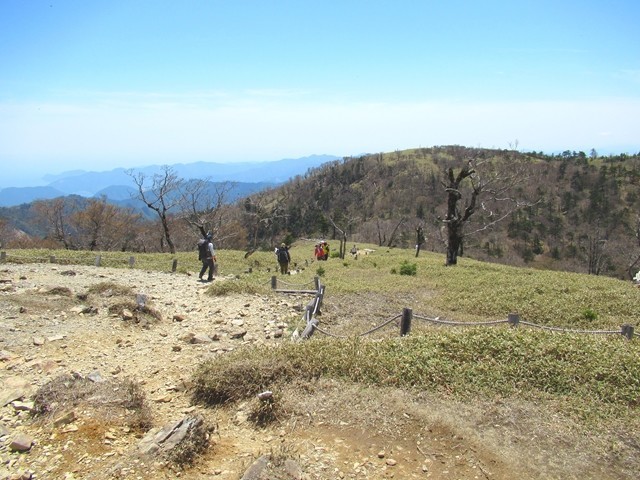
x: 569, y: 211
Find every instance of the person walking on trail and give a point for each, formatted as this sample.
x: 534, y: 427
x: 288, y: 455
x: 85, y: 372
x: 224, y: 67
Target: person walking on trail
x: 284, y: 258
x: 208, y: 257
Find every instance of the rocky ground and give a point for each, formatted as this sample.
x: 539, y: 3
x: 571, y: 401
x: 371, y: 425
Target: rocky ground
x: 69, y: 322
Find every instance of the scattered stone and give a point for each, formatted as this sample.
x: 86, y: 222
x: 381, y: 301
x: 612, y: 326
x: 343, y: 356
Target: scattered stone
x: 95, y: 377
x: 391, y: 462
x: 65, y: 419
x: 11, y: 396
x: 55, y: 338
x: 238, y: 334
x: 254, y: 472
x: 126, y: 314
x: 21, y: 443
x: 168, y: 440
x: 188, y: 338
x: 201, y: 338
x: 22, y: 406
x: 178, y: 318
x: 38, y: 341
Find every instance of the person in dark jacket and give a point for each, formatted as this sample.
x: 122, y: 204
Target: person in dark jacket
x: 282, y: 254
x: 208, y: 258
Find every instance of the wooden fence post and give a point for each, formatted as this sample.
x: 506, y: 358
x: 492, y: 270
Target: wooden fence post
x: 3, y: 257
x: 405, y: 323
x: 52, y: 259
x: 316, y: 282
x: 320, y: 295
x: 514, y: 320
x: 627, y: 331
x: 274, y: 282
x: 309, y: 329
x: 98, y: 260
x: 174, y: 265
x: 132, y: 261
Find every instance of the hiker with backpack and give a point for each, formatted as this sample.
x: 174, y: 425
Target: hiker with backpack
x: 207, y: 256
x: 282, y: 254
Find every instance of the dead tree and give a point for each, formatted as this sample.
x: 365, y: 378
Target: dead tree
x: 202, y: 207
x: 484, y: 184
x: 161, y: 196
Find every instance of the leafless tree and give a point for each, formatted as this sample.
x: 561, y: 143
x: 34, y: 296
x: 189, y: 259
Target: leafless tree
x: 104, y: 226
x: 161, y: 193
x: 203, y: 207
x: 54, y: 216
x: 485, y: 184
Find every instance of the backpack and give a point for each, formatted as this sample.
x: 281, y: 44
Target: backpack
x: 283, y: 255
x: 202, y: 249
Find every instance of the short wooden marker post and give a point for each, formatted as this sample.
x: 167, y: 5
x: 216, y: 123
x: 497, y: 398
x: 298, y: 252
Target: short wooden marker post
x: 627, y: 331
x: 405, y: 322
x: 514, y: 320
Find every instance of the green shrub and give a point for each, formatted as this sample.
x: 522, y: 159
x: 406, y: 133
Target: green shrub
x: 407, y: 268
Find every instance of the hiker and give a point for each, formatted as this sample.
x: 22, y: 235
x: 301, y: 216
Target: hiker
x: 319, y: 253
x: 282, y: 254
x: 207, y: 256
x: 325, y: 249
x: 354, y: 252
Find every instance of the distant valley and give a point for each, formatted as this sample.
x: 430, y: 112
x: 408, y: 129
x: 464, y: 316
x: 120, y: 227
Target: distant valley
x: 117, y: 186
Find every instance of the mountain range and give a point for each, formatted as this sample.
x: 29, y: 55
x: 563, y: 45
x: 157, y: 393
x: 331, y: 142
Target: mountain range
x: 117, y: 186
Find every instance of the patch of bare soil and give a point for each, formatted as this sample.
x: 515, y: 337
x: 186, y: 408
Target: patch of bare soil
x: 119, y: 328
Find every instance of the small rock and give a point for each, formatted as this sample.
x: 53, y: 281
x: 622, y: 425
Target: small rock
x: 21, y: 443
x: 65, y: 418
x: 38, y: 341
x: 23, y: 406
x: 391, y: 462
x: 201, y: 338
x: 238, y: 334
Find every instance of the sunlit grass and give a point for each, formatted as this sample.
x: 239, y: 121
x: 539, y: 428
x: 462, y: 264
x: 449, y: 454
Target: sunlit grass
x: 469, y: 291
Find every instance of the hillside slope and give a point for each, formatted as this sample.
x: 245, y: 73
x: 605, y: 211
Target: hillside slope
x: 582, y: 215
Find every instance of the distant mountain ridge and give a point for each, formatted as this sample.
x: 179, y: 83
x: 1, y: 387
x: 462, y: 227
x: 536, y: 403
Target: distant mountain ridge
x: 116, y: 185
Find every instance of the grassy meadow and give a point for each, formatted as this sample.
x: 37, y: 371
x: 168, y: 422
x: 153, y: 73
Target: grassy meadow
x: 590, y: 377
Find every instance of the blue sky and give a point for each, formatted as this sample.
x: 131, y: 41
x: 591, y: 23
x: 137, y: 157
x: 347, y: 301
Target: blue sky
x: 96, y: 85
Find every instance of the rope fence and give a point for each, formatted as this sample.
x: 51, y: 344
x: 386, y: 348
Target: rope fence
x: 80, y: 259
x: 407, y: 316
x: 312, y: 309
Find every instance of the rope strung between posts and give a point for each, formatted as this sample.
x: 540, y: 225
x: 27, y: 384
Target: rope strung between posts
x: 451, y: 322
x: 380, y: 326
x: 296, y: 284
x: 570, y: 330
